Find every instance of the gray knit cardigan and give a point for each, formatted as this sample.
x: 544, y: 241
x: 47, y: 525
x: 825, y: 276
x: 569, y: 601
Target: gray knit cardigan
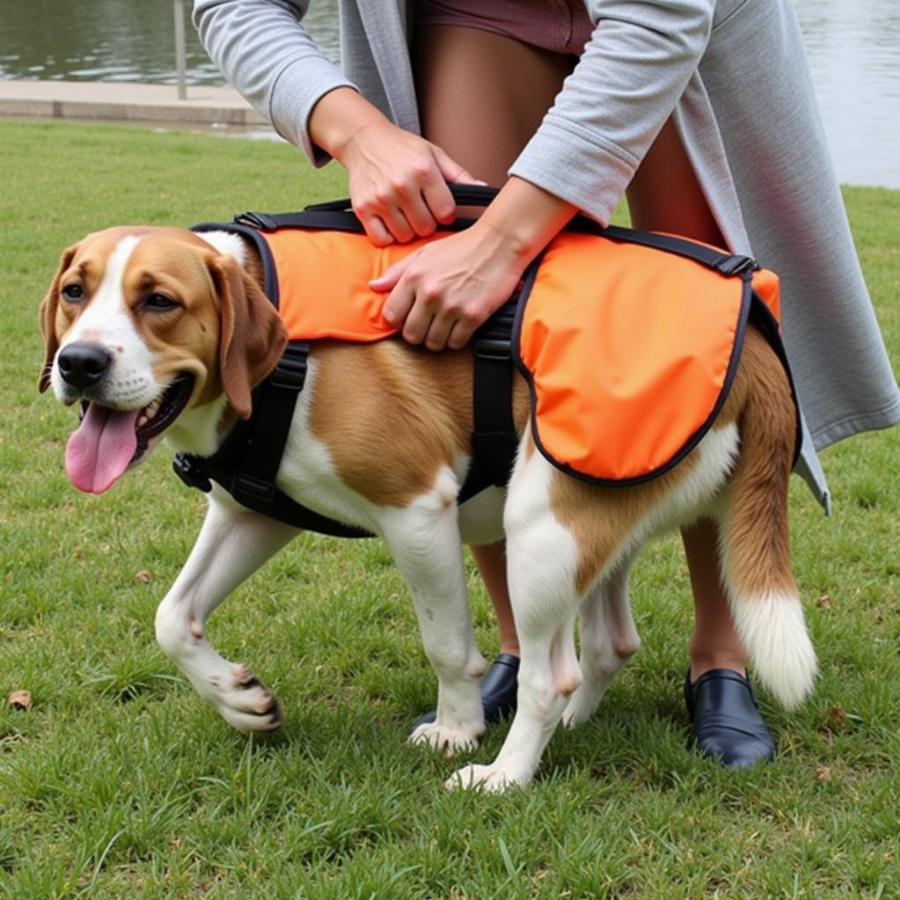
x: 734, y: 75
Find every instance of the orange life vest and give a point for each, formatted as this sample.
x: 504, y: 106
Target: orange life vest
x: 628, y: 340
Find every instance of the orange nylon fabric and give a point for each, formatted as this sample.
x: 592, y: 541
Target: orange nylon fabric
x: 323, y: 282
x: 627, y: 347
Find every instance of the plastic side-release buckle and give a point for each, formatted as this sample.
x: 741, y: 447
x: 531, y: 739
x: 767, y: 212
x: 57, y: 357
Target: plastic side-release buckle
x: 737, y: 265
x: 256, y: 220
x: 189, y: 470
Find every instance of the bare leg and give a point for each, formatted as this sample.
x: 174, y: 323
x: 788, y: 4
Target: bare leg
x: 481, y: 97
x: 491, y: 561
x: 665, y: 196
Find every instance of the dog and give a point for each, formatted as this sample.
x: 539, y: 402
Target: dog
x: 161, y: 333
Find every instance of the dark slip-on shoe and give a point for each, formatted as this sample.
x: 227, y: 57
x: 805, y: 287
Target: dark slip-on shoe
x: 499, y: 688
x: 726, y: 719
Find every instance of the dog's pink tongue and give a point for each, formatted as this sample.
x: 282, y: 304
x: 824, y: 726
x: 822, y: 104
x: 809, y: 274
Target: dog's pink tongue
x: 100, y: 450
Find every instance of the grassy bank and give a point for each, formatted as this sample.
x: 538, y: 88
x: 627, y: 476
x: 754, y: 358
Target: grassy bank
x: 120, y: 781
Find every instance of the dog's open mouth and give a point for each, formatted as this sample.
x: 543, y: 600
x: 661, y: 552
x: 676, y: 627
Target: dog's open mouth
x: 108, y: 441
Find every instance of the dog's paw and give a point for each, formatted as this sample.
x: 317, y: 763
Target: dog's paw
x: 448, y: 740
x: 491, y: 778
x: 246, y: 703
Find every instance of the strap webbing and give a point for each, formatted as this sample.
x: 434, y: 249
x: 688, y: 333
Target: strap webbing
x: 494, y: 437
x: 254, y: 480
x: 247, y: 464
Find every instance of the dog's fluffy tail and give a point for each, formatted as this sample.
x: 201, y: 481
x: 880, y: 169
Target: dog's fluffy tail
x: 755, y: 550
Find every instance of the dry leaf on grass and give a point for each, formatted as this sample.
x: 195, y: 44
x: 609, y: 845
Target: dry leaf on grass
x: 20, y: 699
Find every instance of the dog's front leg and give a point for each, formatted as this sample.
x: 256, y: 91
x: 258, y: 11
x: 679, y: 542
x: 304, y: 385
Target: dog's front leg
x: 232, y: 544
x: 424, y: 540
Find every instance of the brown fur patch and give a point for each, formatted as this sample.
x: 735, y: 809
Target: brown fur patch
x: 756, y: 528
x: 393, y: 415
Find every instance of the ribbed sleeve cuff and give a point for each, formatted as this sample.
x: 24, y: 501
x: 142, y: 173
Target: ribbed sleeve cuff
x: 570, y: 162
x: 297, y: 89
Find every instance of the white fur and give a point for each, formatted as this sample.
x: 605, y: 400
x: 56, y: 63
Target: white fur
x: 196, y: 430
x: 129, y: 384
x: 227, y: 244
x: 773, y: 632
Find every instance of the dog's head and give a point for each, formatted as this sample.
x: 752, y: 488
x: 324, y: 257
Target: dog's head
x: 141, y: 324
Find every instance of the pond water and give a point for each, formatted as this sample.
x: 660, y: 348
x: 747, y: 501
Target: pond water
x: 853, y: 48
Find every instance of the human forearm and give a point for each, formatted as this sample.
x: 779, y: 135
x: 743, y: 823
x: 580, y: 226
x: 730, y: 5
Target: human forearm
x: 338, y: 119
x: 527, y: 217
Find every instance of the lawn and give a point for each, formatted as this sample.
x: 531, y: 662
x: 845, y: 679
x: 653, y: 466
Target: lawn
x: 119, y: 781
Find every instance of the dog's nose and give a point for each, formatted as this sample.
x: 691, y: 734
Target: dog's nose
x: 83, y: 364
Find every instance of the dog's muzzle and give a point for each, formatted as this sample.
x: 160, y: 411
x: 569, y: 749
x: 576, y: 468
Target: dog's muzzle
x: 82, y: 364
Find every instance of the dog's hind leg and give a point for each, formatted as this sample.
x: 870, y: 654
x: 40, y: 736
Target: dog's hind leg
x: 232, y: 544
x: 608, y: 640
x: 542, y: 564
x: 425, y: 542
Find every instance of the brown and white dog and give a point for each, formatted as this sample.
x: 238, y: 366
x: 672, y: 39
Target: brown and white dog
x: 158, y: 331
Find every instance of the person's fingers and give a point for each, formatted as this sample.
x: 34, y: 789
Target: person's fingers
x: 438, y: 331
x: 395, y: 221
x: 390, y: 276
x: 452, y: 170
x: 439, y: 200
x: 375, y: 230
x: 397, y: 307
x: 418, y: 212
x: 419, y: 318
x: 460, y: 334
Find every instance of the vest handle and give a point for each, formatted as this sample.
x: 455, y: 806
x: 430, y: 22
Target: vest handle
x: 463, y: 195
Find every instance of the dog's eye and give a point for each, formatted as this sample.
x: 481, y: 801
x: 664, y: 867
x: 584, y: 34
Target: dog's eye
x: 73, y: 292
x: 159, y: 303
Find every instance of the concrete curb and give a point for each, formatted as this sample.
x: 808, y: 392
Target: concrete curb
x: 205, y: 105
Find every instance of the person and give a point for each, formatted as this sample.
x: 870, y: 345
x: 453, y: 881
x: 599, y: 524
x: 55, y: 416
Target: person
x: 700, y: 111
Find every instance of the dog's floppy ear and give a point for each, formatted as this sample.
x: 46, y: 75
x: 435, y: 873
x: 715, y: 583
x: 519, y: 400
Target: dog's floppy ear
x: 47, y: 317
x: 252, y: 336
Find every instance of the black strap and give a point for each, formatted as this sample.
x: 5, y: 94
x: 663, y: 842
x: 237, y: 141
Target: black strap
x: 494, y: 437
x: 254, y: 480
x: 720, y: 260
x: 247, y: 464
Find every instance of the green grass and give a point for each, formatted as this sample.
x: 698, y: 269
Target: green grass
x: 119, y: 781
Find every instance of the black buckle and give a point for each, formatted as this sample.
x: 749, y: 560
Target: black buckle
x: 189, y: 470
x: 256, y: 220
x: 252, y: 488
x: 737, y: 265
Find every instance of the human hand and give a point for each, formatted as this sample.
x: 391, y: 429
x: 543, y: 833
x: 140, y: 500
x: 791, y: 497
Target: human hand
x: 397, y: 180
x: 442, y: 292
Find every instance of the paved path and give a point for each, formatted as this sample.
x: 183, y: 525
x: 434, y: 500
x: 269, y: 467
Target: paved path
x: 121, y: 101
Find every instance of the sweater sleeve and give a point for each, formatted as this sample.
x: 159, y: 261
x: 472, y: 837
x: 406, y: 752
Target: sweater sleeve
x: 625, y: 86
x: 265, y: 53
